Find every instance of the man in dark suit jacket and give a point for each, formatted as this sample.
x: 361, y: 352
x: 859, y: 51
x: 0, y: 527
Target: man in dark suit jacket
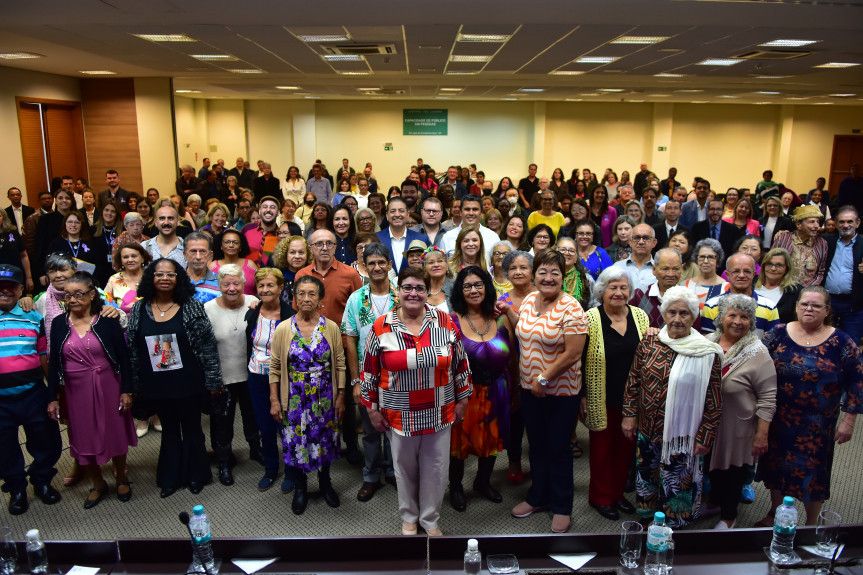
x: 846, y: 297
x: 728, y: 233
x: 114, y: 191
x: 267, y: 184
x: 397, y: 215
x: 245, y: 177
x: 15, y: 196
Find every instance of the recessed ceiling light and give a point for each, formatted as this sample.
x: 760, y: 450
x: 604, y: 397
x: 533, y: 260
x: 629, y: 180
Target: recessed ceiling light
x: 761, y: 103
x: 214, y: 57
x: 691, y: 91
x: 165, y: 37
x: 719, y: 62
x: 596, y: 60
x: 344, y: 73
x: 567, y: 72
x: 469, y: 58
x: 342, y: 58
x: 483, y: 38
x: 451, y: 89
x: 659, y: 95
x: 287, y: 87
x: 838, y: 65
x: 573, y: 100
x: 635, y: 101
x: 509, y: 99
x: 639, y: 39
x: 823, y: 103
x: 767, y: 93
x: 609, y: 90
x: 313, y: 97
x: 531, y: 90
x: 788, y: 43
x: 667, y: 75
x: 842, y: 95
x: 770, y: 77
x: 324, y: 37
x: 369, y: 89
x: 698, y: 102
x: 429, y: 46
x: 20, y: 55
x: 589, y: 94
x: 97, y: 72
x: 187, y: 91
x: 460, y: 73
x: 728, y: 96
x: 797, y: 98
x: 246, y: 71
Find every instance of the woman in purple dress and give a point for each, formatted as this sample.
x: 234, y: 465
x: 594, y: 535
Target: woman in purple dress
x: 89, y: 359
x: 487, y: 341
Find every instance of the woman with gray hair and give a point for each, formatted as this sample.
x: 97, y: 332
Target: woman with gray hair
x: 674, y: 392
x: 499, y: 251
x: 748, y: 404
x: 194, y: 211
x: 227, y: 313
x: 707, y: 256
x: 133, y: 232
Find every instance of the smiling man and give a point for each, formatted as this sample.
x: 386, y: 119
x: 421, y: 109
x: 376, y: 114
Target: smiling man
x: 741, y: 274
x: 167, y: 244
x: 264, y: 236
x: 397, y: 237
x: 471, y: 210
x: 667, y: 270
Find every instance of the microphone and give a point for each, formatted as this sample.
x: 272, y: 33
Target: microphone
x: 185, y: 520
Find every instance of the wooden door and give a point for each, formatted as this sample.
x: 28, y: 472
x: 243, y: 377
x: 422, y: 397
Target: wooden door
x: 846, y: 151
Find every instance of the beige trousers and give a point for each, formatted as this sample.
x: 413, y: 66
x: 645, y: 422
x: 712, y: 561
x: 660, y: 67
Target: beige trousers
x: 422, y: 470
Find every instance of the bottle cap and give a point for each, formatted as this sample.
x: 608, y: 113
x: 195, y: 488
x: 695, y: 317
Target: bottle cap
x: 33, y: 534
x: 659, y: 517
x: 198, y: 509
x: 472, y: 544
x: 788, y: 501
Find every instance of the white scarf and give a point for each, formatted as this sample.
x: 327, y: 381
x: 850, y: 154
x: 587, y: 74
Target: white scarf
x: 687, y: 389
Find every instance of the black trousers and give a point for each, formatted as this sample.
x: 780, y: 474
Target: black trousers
x: 725, y: 486
x: 43, y: 441
x: 183, y: 454
x: 222, y: 426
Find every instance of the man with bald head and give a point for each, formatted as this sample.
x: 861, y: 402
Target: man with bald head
x: 668, y: 266
x: 245, y: 177
x: 740, y: 268
x: 639, y: 265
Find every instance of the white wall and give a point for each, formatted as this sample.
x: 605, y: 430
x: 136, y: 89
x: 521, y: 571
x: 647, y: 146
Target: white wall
x: 155, y: 133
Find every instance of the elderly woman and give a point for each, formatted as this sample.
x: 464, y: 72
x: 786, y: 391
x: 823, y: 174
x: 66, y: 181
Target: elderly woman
x: 551, y: 328
x: 194, y: 213
x: 417, y: 418
x: 261, y: 323
x: 674, y: 392
x: 122, y: 287
x: 435, y: 264
x: 134, y: 224
x: 307, y: 391
x: 540, y: 238
x: 620, y: 247
x: 366, y: 221
x: 819, y: 372
x: 808, y: 250
x: 615, y: 330
x: 748, y: 404
x: 485, y: 428
x: 217, y: 216
x: 92, y: 365
x: 577, y: 282
x: 775, y: 283
x: 498, y: 275
x: 707, y: 255
x: 291, y: 255
x: 226, y: 314
x: 232, y: 247
x: 171, y: 374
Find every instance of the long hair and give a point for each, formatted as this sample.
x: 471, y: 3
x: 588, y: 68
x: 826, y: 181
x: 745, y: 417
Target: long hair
x: 457, y: 259
x: 352, y: 226
x: 459, y: 304
x: 280, y: 252
x: 328, y: 224
x: 99, y: 229
x: 183, y: 290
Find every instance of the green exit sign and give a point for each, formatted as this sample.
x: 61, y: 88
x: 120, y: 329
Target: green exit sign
x: 388, y: 147
x: 662, y: 148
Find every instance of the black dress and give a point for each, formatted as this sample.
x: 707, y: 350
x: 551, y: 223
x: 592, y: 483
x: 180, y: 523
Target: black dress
x: 11, y: 248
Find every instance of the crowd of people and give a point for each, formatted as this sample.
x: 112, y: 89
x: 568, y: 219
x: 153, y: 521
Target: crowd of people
x: 706, y: 340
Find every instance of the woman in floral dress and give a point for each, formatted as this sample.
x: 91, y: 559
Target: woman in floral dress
x: 307, y: 387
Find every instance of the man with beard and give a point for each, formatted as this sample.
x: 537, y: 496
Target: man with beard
x: 167, y: 244
x: 431, y: 226
x: 263, y: 237
x: 410, y: 195
x: 114, y: 191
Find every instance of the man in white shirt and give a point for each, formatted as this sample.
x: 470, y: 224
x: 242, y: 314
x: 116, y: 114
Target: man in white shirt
x: 397, y: 237
x: 471, y: 210
x: 167, y: 244
x: 17, y: 212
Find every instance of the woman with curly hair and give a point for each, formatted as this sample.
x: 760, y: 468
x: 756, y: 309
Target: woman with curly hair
x: 291, y: 255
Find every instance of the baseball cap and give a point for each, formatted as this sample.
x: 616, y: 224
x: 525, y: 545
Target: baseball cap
x: 11, y: 274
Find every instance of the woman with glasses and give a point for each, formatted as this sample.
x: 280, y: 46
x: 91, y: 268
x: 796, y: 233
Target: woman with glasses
x: 232, y: 247
x: 776, y: 284
x: 748, y: 245
x: 172, y: 375
x: 418, y: 419
x: 819, y: 374
x: 75, y: 240
x: 107, y: 229
x: 547, y: 214
x: 366, y: 222
x: 133, y: 223
x: 90, y: 360
x: 540, y: 238
x: 577, y: 282
x: 499, y: 251
x: 322, y: 219
x: 707, y: 284
x: 593, y: 258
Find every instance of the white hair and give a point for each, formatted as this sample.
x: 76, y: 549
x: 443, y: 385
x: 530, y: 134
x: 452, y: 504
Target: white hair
x: 679, y: 293
x: 132, y: 217
x: 607, y: 276
x: 231, y: 270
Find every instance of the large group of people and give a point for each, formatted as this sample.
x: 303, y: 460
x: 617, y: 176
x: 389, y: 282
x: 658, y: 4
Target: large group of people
x: 706, y: 340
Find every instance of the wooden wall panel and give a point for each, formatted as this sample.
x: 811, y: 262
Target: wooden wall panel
x: 111, y: 129
x: 65, y: 154
x: 32, y: 152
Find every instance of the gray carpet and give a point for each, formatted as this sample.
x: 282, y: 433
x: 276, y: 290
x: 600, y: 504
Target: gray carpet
x: 242, y: 511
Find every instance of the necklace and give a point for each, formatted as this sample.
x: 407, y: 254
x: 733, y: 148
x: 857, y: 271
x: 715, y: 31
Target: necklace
x: 378, y: 311
x: 164, y: 311
x: 431, y: 293
x: 76, y: 248
x: 234, y: 315
x: 476, y: 331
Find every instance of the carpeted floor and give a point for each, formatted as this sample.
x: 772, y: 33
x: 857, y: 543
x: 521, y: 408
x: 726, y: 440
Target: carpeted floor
x: 242, y: 511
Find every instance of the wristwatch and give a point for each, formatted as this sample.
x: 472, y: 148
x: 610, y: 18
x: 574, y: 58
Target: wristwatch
x: 355, y: 381
x: 542, y: 381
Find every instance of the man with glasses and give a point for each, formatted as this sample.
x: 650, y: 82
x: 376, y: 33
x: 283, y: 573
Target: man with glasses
x: 639, y: 265
x: 432, y: 213
x: 264, y: 236
x: 24, y: 399
x: 741, y: 274
x: 715, y: 227
x: 397, y: 237
x: 244, y: 208
x: 167, y: 244
x: 198, y: 252
x: 471, y: 210
x: 844, y: 280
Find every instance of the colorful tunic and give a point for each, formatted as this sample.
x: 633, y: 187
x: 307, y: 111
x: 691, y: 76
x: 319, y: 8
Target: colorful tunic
x: 597, y: 261
x: 121, y: 293
x: 810, y: 385
x: 485, y: 428
x: 809, y: 257
x: 310, y: 437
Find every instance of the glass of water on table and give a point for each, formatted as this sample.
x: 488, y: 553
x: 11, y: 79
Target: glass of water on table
x: 631, y: 535
x: 8, y: 553
x: 827, y: 533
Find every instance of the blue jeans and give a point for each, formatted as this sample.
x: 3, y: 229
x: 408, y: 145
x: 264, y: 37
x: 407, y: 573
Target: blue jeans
x: 259, y: 392
x: 847, y: 319
x: 549, y: 421
x: 377, y: 459
x: 43, y: 441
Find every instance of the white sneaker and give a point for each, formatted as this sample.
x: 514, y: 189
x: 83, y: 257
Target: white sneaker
x: 723, y: 526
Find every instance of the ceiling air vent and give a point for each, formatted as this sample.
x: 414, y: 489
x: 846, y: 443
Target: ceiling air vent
x: 772, y: 55
x: 359, y: 49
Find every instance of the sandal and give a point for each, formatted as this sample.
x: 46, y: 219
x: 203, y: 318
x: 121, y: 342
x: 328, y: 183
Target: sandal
x: 576, y: 449
x: 75, y: 475
x: 124, y: 497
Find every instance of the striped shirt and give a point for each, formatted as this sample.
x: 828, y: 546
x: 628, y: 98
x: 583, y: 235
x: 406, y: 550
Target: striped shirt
x: 415, y: 381
x: 262, y: 340
x: 207, y: 288
x: 541, y: 338
x: 766, y: 314
x: 22, y: 342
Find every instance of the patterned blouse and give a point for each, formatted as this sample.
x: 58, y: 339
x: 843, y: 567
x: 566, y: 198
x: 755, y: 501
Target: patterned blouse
x: 808, y: 256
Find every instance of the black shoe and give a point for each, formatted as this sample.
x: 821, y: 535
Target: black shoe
x: 195, y: 487
x: 354, y: 456
x: 225, y: 475
x: 18, y: 503
x: 456, y: 497
x: 167, y: 492
x: 91, y: 503
x: 301, y: 499
x: 487, y: 491
x: 607, y: 511
x: 47, y: 494
x: 124, y: 497
x: 330, y: 495
x: 267, y: 481
x: 255, y: 455
x: 625, y: 506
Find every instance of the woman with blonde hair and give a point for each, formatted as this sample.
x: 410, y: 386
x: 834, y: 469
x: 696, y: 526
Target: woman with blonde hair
x: 776, y: 283
x: 469, y: 250
x: 217, y: 216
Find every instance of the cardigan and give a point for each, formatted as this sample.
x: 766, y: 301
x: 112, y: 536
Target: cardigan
x: 280, y: 355
x: 594, y: 366
x: 251, y: 319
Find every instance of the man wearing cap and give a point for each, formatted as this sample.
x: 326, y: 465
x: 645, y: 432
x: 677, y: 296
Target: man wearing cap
x: 431, y: 212
x: 24, y: 399
x: 808, y: 251
x: 264, y: 236
x: 397, y: 237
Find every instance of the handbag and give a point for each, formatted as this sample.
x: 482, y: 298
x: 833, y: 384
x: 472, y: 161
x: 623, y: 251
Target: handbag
x: 216, y: 404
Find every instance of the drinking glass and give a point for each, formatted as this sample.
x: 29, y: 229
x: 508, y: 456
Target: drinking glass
x: 827, y: 532
x: 8, y: 553
x: 631, y: 534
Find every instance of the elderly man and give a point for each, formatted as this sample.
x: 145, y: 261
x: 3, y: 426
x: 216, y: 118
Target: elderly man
x: 667, y: 269
x: 741, y: 274
x: 452, y: 179
x: 471, y: 210
x: 397, y: 237
x: 808, y: 251
x: 639, y: 265
x: 245, y: 177
x: 844, y: 279
x: 198, y: 252
x: 432, y: 213
x: 23, y: 365
x: 264, y: 236
x: 187, y: 184
x: 715, y: 227
x: 267, y: 184
x: 625, y: 194
x: 167, y: 244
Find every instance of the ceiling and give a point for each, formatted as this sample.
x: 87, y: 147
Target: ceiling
x: 535, y: 58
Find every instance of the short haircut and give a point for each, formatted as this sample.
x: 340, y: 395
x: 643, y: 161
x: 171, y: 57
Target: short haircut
x: 415, y: 273
x: 738, y: 302
x: 231, y: 270
x: 114, y: 172
x: 540, y: 228
x: 607, y: 276
x: 376, y: 249
x: 275, y: 272
x: 60, y: 261
x: 679, y: 293
x: 514, y: 255
x: 132, y: 217
x: 472, y: 198
x: 659, y: 253
x: 713, y: 245
x: 86, y: 279
x: 197, y: 237
x: 549, y: 257
x: 309, y: 279
x: 847, y: 208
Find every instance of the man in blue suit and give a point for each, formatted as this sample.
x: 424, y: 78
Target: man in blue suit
x: 695, y: 210
x: 397, y: 237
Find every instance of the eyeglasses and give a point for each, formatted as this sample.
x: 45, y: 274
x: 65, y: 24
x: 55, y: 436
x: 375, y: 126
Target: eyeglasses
x: 284, y: 234
x: 419, y: 290
x: 741, y: 272
x: 366, y: 219
x: 431, y: 212
x: 478, y: 286
x: 230, y: 242
x: 809, y: 305
x: 775, y: 266
x: 322, y: 245
x: 499, y: 254
x: 638, y: 239
x: 706, y: 258
x: 77, y: 296
x: 584, y: 234
x: 163, y: 275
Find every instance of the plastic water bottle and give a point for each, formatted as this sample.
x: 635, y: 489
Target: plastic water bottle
x: 784, y: 529
x: 472, y: 558
x: 658, y: 560
x: 202, y: 550
x: 37, y: 556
